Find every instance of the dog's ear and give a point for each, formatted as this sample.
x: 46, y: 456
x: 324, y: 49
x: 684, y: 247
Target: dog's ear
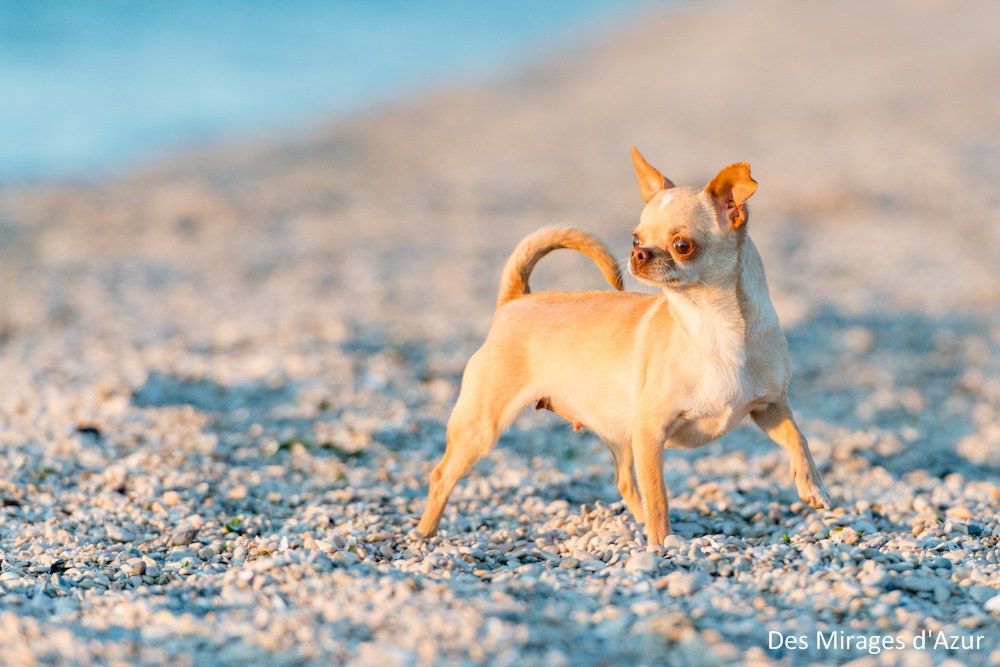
x: 731, y: 188
x: 651, y: 181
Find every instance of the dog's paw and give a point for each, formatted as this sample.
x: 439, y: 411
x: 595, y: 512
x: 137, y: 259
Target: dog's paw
x: 421, y: 533
x: 811, y: 488
x: 635, y: 509
x: 819, y: 499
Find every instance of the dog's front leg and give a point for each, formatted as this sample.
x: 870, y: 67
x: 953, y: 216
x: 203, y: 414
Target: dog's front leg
x: 647, y: 446
x: 776, y: 420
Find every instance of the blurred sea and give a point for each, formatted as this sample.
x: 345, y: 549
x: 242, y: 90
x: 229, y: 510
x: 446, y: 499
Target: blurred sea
x: 90, y: 88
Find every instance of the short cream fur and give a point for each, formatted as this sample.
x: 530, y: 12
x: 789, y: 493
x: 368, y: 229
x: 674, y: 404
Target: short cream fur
x: 678, y: 369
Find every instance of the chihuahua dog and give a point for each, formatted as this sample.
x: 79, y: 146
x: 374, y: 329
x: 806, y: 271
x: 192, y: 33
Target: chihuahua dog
x: 677, y: 369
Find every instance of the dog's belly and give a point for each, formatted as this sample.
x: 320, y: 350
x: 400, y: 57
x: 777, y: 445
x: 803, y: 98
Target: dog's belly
x: 610, y: 427
x: 700, y: 430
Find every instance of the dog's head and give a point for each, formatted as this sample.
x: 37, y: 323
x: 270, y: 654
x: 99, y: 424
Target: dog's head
x: 688, y: 236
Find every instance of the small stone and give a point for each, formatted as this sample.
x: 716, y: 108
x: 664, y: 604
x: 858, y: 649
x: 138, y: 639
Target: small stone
x: 674, y: 541
x: 917, y: 584
x: 865, y: 526
x: 135, y: 566
x: 981, y: 593
x: 811, y: 553
x: 348, y: 556
x: 119, y: 534
x: 941, y: 564
x: 689, y: 528
x: 960, y: 512
x: 843, y: 535
x: 183, y: 536
x: 544, y: 554
x: 876, y: 577
x: 644, y: 561
x: 993, y: 605
x: 681, y: 583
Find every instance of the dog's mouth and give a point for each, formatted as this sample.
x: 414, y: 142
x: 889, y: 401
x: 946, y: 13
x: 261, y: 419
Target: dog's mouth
x: 663, y: 279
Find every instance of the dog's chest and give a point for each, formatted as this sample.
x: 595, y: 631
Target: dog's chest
x: 717, y: 406
x: 724, y: 399
x: 725, y: 378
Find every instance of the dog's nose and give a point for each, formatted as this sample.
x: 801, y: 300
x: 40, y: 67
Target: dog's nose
x: 640, y: 256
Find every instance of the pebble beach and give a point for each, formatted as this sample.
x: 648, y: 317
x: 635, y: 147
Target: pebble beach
x: 226, y: 375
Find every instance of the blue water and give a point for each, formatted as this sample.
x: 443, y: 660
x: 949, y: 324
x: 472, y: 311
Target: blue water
x: 89, y: 87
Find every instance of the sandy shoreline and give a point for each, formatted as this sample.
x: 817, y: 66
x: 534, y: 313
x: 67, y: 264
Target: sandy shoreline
x: 275, y: 334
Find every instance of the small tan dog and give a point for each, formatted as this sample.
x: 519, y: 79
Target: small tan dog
x: 678, y: 369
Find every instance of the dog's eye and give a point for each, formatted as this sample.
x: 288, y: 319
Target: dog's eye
x: 635, y: 241
x: 683, y: 247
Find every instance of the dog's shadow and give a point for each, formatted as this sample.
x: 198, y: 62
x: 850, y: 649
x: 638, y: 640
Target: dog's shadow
x: 902, y: 375
x: 886, y: 390
x: 167, y: 390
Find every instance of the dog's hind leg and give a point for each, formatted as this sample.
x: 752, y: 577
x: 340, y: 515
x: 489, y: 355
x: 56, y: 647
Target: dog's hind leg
x: 625, y: 480
x: 486, y: 403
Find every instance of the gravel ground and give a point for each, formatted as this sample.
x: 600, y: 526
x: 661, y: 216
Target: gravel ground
x: 226, y: 377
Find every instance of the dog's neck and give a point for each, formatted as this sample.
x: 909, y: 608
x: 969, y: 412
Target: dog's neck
x: 723, y: 320
x: 754, y: 299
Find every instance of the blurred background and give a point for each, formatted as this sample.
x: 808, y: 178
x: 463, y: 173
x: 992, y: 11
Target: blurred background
x: 89, y: 88
x: 246, y: 249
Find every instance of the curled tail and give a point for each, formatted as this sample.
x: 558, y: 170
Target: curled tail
x: 514, y: 279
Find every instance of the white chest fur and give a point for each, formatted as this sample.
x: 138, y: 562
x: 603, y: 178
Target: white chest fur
x: 715, y: 335
x: 738, y: 355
